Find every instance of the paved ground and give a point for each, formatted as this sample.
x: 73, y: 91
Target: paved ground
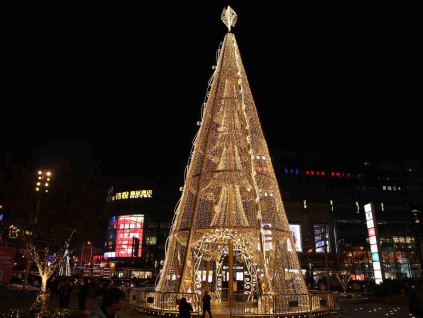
x: 370, y: 310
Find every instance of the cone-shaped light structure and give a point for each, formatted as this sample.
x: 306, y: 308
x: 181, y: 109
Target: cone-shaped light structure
x: 231, y: 215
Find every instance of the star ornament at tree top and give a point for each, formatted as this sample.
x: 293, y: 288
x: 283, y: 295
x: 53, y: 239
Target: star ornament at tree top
x: 229, y: 17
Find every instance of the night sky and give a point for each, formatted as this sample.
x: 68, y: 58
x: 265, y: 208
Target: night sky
x: 125, y: 85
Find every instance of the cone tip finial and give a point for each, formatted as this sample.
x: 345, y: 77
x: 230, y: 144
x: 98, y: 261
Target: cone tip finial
x: 229, y: 17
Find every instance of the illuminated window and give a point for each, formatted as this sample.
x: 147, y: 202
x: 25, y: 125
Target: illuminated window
x: 13, y: 232
x: 321, y: 238
x: 151, y: 240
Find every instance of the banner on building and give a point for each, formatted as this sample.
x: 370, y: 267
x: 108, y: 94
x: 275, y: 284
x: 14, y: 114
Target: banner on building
x: 7, y: 257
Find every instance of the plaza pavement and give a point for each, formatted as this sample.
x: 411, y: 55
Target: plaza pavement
x: 382, y: 308
x: 379, y: 309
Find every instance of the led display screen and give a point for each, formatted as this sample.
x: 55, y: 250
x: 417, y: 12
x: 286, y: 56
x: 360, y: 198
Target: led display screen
x: 124, y: 238
x: 296, y: 236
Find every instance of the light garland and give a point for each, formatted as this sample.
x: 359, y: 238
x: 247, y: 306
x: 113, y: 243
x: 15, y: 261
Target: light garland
x: 45, y: 313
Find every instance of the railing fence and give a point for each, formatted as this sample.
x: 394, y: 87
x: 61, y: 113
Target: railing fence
x: 146, y: 300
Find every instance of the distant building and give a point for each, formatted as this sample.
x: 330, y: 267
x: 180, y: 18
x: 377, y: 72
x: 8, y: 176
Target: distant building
x: 140, y: 211
x: 324, y: 200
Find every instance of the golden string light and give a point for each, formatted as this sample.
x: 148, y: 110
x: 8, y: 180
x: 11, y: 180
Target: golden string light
x: 231, y: 210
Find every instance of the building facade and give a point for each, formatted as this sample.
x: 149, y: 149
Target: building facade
x: 139, y: 210
x: 326, y: 199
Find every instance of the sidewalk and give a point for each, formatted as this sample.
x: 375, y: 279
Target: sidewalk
x: 221, y: 310
x: 376, y: 311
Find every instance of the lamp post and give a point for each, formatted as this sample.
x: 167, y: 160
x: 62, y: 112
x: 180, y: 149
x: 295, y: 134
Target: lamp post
x: 41, y: 186
x: 84, y: 252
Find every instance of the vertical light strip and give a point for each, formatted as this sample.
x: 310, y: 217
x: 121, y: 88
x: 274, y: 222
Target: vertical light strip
x: 374, y: 242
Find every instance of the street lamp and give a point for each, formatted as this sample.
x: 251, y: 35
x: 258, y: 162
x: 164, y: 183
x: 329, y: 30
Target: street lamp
x: 41, y: 185
x: 43, y: 180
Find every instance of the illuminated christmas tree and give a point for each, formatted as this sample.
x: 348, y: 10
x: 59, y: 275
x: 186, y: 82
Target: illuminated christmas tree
x: 231, y: 212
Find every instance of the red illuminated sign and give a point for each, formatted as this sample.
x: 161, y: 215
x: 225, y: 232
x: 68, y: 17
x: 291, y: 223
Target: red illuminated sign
x: 128, y: 228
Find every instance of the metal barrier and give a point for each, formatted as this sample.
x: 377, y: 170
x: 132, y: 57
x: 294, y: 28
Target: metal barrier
x: 248, y: 305
x: 155, y: 303
x: 241, y: 305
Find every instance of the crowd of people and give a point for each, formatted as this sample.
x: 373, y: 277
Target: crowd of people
x: 63, y: 288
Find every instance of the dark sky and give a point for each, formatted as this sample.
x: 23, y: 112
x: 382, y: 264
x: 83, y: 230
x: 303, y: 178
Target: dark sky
x: 129, y: 81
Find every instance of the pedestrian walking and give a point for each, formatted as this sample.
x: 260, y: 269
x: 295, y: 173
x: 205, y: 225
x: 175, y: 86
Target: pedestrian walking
x: 83, y: 293
x: 65, y: 290
x: 206, y: 304
x: 415, y: 303
x: 185, y: 308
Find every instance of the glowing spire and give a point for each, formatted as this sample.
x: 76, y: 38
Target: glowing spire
x: 229, y: 17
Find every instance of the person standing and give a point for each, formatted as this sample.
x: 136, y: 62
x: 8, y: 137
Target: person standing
x: 111, y: 304
x: 206, y: 304
x: 185, y: 308
x: 83, y: 293
x: 65, y: 290
x: 416, y: 300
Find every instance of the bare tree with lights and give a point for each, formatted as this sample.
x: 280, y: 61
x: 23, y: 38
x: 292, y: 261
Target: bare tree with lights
x: 231, y: 210
x: 47, y: 267
x: 343, y: 277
